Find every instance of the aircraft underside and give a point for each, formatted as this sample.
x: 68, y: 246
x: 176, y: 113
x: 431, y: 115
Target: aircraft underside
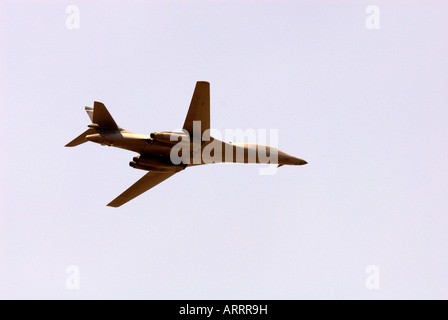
x: 163, y: 154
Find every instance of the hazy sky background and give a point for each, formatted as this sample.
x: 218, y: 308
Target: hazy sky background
x: 368, y: 109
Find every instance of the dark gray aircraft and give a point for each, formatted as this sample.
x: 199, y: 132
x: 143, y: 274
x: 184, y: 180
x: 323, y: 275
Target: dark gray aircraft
x: 165, y: 153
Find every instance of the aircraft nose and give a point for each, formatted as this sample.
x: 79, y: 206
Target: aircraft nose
x: 290, y: 160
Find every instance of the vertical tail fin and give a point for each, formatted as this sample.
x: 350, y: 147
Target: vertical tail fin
x: 89, y: 111
x: 102, y: 117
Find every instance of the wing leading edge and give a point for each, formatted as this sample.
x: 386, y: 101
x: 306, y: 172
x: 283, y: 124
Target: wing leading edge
x: 149, y: 180
x: 199, y: 110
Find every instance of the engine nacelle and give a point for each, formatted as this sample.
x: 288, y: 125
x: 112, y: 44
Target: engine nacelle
x: 171, y: 137
x: 154, y: 169
x: 153, y: 165
x: 151, y: 162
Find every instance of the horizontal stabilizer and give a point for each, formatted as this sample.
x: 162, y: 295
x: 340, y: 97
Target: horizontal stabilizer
x: 80, y: 139
x: 102, y: 117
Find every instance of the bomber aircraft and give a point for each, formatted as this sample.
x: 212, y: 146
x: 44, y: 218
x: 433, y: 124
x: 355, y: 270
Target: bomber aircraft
x: 165, y: 153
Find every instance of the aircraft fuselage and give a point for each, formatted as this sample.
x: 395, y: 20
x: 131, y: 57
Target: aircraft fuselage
x: 204, y: 152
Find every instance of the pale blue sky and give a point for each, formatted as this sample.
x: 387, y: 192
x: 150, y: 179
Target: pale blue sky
x: 366, y: 108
